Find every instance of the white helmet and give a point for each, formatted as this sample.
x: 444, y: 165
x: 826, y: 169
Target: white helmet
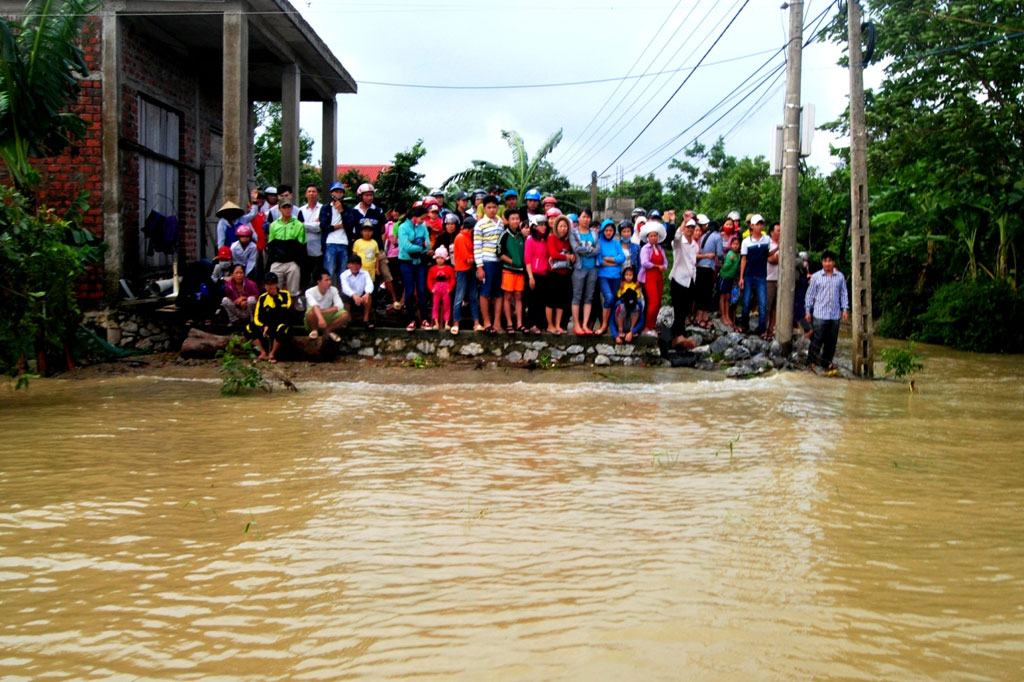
x: 364, y: 188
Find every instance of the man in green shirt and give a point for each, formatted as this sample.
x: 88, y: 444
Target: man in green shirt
x: 286, y: 246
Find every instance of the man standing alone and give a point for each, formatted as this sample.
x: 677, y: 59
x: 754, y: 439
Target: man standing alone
x: 826, y: 302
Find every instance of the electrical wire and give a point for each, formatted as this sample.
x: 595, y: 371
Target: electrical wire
x: 813, y: 36
x: 642, y: 101
x: 573, y: 158
x: 637, y: 61
x: 529, y: 86
x: 676, y: 92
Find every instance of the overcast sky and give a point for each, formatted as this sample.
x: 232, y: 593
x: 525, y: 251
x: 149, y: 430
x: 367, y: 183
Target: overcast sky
x: 534, y: 42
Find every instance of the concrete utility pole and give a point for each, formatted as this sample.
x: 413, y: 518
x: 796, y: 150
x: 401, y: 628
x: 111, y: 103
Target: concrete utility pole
x: 790, y: 180
x: 863, y: 340
x: 593, y: 191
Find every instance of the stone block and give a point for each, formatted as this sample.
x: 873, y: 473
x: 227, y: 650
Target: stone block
x: 530, y: 355
x: 446, y: 343
x: 412, y: 356
x: 471, y: 349
x: 426, y: 347
x: 720, y: 344
x: 366, y: 352
x: 355, y: 343
x: 702, y: 350
x: 395, y: 346
x: 443, y: 354
x: 557, y: 354
x: 574, y: 349
x: 602, y: 361
x: 706, y: 365
x: 604, y: 349
x: 514, y: 356
x: 736, y: 353
x: 625, y: 349
x: 129, y: 327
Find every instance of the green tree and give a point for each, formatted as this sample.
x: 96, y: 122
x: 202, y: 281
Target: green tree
x: 267, y: 149
x: 400, y: 186
x: 946, y: 126
x: 524, y: 173
x: 39, y: 78
x: 646, y: 190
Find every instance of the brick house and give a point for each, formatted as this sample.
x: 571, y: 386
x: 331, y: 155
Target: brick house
x: 168, y: 107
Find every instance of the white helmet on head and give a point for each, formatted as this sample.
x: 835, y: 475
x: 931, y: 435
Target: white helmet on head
x: 364, y: 188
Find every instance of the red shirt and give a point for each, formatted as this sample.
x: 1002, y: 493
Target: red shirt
x: 462, y: 250
x: 558, y: 252
x: 443, y: 273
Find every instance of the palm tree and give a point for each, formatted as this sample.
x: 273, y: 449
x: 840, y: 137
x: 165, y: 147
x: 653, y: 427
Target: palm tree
x: 524, y: 172
x: 39, y: 79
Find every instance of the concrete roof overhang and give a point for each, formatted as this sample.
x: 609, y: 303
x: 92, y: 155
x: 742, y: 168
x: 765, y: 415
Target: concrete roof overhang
x: 278, y: 36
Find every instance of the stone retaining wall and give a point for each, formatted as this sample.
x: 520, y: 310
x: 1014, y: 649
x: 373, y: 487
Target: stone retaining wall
x: 434, y: 347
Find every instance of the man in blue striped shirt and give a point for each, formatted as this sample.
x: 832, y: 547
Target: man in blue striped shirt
x: 827, y: 301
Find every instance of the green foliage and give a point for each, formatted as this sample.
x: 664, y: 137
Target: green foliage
x: 267, y: 150
x: 902, y: 361
x: 39, y: 78
x: 983, y: 315
x: 352, y: 178
x: 41, y: 257
x: 400, y: 186
x: 238, y: 368
x: 524, y: 173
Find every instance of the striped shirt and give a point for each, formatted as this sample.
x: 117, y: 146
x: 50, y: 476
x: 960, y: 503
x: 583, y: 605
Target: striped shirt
x: 826, y: 295
x: 486, y: 235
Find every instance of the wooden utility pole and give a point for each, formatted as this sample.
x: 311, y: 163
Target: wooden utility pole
x: 593, y: 191
x: 863, y: 341
x: 790, y: 180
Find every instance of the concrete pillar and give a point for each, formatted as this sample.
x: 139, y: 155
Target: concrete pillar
x: 237, y: 136
x: 290, y: 92
x: 113, y: 228
x: 329, y: 145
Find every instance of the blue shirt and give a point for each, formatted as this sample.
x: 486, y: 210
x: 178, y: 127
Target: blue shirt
x: 712, y: 244
x: 826, y: 295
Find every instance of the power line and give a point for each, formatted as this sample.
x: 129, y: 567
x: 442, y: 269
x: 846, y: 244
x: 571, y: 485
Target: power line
x: 573, y: 158
x: 618, y: 130
x: 728, y: 95
x: 819, y: 19
x: 528, y: 86
x: 641, y: 55
x: 676, y: 92
x: 779, y: 68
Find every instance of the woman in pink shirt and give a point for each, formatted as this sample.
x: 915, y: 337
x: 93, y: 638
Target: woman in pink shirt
x: 536, y: 256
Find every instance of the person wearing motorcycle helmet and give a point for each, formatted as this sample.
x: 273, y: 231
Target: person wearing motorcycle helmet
x: 462, y: 206
x: 365, y: 209
x: 511, y: 199
x: 243, y: 251
x: 532, y: 207
x: 637, y: 212
x: 548, y: 202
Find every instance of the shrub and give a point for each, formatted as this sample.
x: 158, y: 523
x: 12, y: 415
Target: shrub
x: 975, y: 315
x: 41, y: 257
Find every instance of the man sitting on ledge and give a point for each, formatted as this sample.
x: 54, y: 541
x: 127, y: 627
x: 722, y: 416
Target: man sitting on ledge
x: 324, y: 309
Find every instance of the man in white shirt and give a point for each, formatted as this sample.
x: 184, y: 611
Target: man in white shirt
x: 357, y: 289
x: 309, y: 215
x: 324, y: 310
x: 683, y: 275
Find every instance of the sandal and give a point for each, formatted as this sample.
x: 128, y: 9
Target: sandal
x: 510, y: 330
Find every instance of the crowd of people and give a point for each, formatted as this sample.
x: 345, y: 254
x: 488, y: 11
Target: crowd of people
x: 494, y: 265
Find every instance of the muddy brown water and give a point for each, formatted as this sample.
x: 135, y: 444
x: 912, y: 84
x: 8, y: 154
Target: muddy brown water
x: 472, y: 526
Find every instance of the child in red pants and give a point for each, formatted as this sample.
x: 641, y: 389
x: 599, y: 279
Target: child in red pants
x: 440, y: 280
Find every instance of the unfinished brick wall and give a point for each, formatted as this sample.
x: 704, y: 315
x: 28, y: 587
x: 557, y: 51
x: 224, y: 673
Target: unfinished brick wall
x: 174, y: 81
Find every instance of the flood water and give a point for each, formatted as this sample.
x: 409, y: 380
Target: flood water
x: 485, y: 526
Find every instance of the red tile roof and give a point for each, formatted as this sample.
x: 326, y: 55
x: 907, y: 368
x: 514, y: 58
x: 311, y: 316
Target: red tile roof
x: 369, y: 170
